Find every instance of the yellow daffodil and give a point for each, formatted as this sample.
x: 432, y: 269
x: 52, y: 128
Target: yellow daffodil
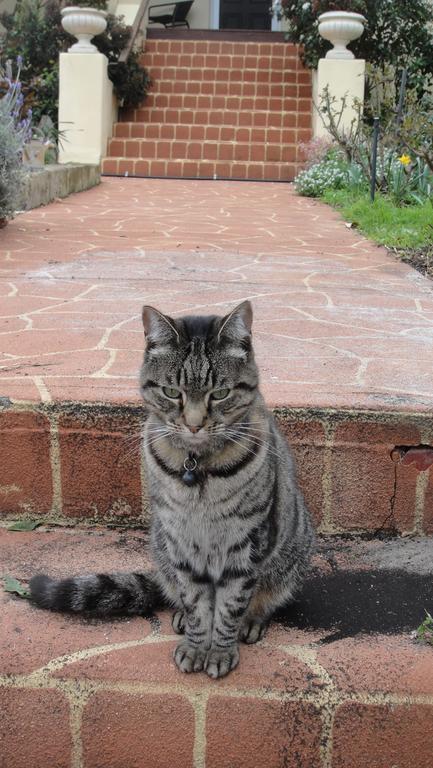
x: 405, y: 160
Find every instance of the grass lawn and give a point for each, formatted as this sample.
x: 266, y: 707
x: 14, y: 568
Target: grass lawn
x: 407, y: 230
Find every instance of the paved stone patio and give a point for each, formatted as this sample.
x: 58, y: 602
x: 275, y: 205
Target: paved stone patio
x: 343, y: 334
x: 338, y: 321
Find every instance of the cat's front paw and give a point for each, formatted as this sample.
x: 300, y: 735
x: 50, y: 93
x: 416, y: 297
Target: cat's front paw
x: 220, y: 661
x: 189, y: 658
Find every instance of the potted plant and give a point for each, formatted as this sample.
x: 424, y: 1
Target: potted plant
x: 340, y: 22
x: 84, y: 19
x: 42, y: 147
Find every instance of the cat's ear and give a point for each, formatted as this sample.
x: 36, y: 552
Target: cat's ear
x: 235, y: 328
x: 160, y: 330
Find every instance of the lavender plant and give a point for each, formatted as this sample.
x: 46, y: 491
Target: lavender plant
x: 15, y: 131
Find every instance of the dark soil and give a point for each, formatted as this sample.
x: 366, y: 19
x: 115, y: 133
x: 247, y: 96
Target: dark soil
x: 419, y: 258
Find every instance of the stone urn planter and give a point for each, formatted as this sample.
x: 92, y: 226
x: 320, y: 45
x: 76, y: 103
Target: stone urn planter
x: 341, y: 28
x: 83, y: 23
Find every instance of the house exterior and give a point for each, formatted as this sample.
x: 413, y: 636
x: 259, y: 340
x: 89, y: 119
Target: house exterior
x: 218, y: 14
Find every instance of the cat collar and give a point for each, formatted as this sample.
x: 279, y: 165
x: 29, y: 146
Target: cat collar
x: 190, y: 476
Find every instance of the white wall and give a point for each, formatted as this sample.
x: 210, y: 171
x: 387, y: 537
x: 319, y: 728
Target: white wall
x: 6, y: 5
x: 87, y: 108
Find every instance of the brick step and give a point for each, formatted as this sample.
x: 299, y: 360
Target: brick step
x: 209, y: 133
x: 222, y: 75
x: 200, y: 169
x: 258, y: 119
x: 239, y: 103
x: 222, y: 47
x: 75, y: 459
x: 246, y: 61
x: 202, y: 150
x: 301, y: 88
x: 337, y: 682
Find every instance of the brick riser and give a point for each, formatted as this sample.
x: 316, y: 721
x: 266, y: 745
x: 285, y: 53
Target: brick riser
x: 77, y: 461
x: 218, y: 110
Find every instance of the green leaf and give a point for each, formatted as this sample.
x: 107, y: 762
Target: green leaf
x: 13, y: 585
x: 425, y: 630
x: 24, y: 525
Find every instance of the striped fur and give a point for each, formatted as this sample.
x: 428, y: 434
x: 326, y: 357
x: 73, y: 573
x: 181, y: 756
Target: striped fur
x: 233, y: 547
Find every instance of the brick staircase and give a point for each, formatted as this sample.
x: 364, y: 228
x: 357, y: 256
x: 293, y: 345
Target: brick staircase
x: 233, y: 109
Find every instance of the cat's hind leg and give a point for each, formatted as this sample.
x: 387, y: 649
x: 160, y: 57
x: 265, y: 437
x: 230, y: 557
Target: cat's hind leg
x: 262, y: 606
x: 257, y: 617
x: 253, y: 629
x: 178, y: 622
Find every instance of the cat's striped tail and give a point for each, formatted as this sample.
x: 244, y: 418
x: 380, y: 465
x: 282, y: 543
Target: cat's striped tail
x: 99, y: 594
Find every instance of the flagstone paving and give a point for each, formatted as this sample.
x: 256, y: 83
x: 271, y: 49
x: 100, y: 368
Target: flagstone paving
x: 338, y: 321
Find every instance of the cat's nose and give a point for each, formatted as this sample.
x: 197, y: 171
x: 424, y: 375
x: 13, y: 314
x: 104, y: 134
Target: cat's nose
x: 192, y: 428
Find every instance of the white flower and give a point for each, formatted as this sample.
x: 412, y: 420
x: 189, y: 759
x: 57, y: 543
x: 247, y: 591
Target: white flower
x: 306, y: 6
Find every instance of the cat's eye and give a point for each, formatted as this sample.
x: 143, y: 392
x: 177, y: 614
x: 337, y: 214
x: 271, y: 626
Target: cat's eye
x: 170, y: 392
x: 220, y: 394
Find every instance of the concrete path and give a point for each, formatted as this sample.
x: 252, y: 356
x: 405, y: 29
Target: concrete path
x: 343, y: 335
x: 338, y: 321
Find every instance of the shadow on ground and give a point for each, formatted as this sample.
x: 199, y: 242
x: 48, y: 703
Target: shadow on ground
x: 349, y: 603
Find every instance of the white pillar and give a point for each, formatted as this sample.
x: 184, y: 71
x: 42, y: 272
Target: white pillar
x: 344, y: 78
x: 87, y: 107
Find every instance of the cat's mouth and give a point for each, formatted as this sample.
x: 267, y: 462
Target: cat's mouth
x: 183, y: 437
x: 196, y: 438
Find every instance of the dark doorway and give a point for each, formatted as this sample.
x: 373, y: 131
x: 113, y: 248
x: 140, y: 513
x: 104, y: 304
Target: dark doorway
x: 245, y: 14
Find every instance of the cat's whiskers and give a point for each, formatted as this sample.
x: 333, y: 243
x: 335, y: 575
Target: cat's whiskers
x: 252, y: 430
x: 258, y: 440
x: 148, y: 438
x: 255, y: 441
x: 131, y: 438
x: 237, y: 442
x: 252, y: 443
x: 132, y: 446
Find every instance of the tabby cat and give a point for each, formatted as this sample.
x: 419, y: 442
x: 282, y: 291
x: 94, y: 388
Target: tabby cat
x: 231, y: 536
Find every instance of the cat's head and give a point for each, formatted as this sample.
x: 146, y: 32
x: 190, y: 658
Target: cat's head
x: 198, y: 374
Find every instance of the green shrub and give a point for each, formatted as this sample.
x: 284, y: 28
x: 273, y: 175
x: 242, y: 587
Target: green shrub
x: 397, y: 32
x: 130, y: 80
x: 328, y: 174
x: 405, y: 153
x: 416, y: 129
x: 34, y: 31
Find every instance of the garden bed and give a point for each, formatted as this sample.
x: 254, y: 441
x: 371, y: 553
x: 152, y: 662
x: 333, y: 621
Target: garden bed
x: 406, y: 231
x: 419, y: 258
